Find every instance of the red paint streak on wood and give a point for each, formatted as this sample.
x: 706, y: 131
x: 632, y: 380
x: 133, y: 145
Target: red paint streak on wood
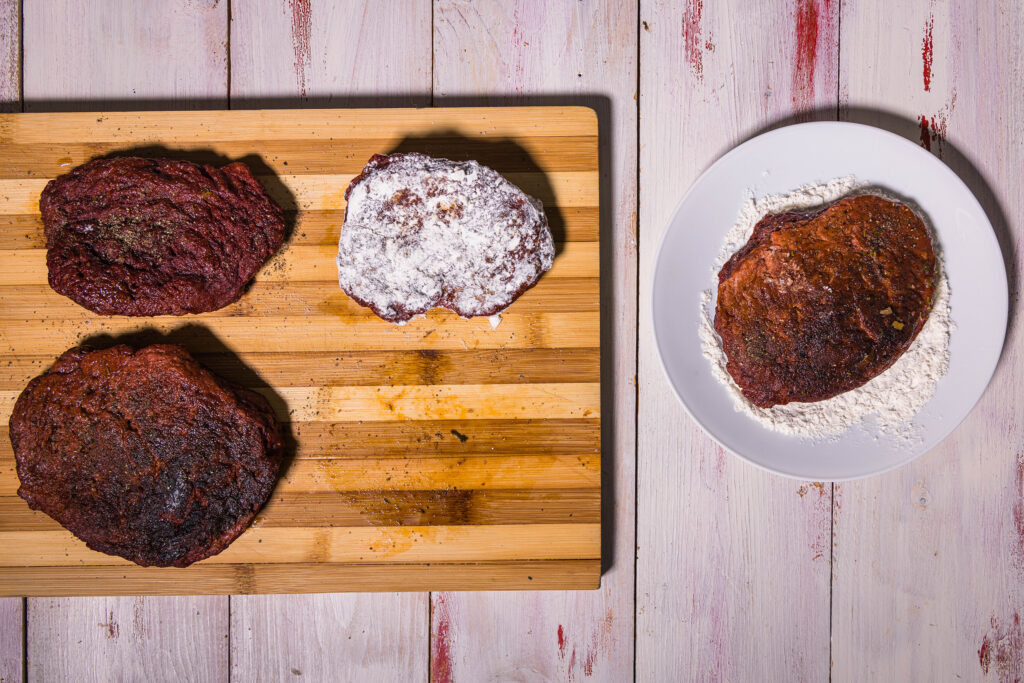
x: 561, y: 642
x: 517, y: 51
x: 933, y: 129
x: 599, y: 640
x: 927, y: 52
x: 572, y: 665
x: 113, y: 630
x: 302, y: 28
x: 820, y: 520
x: 806, y: 53
x: 692, y: 42
x: 440, y: 644
x: 1018, y: 510
x: 1002, y: 650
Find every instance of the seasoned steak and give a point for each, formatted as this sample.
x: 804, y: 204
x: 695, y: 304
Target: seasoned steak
x: 422, y: 232
x: 130, y: 236
x: 817, y: 303
x: 144, y: 454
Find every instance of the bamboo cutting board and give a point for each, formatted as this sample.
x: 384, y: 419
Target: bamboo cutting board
x: 439, y: 455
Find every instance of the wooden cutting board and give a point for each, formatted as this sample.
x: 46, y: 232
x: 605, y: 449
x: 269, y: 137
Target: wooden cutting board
x: 439, y: 455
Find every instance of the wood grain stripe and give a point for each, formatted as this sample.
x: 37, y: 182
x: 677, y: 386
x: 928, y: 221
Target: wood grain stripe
x: 472, y: 471
x: 319, y: 333
x: 438, y: 402
x: 371, y: 368
x: 569, y: 224
x: 304, y: 263
x: 387, y: 508
x: 320, y: 192
x: 421, y: 402
x: 197, y: 127
x: 427, y: 438
x: 219, y: 579
x: 550, y: 295
x: 339, y: 544
x: 297, y: 157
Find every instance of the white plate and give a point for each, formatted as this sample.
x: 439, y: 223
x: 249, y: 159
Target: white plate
x: 780, y: 162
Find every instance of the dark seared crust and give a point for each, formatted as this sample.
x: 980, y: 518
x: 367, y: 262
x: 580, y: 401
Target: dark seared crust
x: 818, y: 303
x: 144, y: 454
x: 131, y: 236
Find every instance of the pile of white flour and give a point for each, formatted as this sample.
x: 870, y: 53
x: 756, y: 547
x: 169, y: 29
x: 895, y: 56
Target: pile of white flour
x: 893, y: 398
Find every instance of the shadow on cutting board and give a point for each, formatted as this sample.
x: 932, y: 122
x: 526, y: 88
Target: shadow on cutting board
x: 921, y: 131
x: 216, y: 357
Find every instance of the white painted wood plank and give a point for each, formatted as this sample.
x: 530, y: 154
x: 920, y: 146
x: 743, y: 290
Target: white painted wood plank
x: 328, y: 54
x: 128, y: 639
x: 11, y: 609
x: 732, y: 563
x: 519, y: 51
x: 130, y: 55
x: 929, y: 560
x: 10, y: 55
x: 12, y: 646
x: 340, y: 637
x: 125, y: 54
x: 318, y: 53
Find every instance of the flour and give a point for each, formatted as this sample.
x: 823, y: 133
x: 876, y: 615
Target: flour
x: 893, y: 398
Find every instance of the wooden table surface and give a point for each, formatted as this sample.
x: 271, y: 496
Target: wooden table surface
x: 716, y: 570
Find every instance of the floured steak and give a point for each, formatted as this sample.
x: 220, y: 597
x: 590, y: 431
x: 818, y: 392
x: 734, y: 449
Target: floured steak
x: 144, y: 454
x: 131, y: 236
x: 422, y: 232
x: 817, y: 303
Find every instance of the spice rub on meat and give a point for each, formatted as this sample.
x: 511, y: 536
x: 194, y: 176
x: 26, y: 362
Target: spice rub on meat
x: 819, y: 302
x: 422, y: 232
x: 131, y: 236
x: 144, y: 454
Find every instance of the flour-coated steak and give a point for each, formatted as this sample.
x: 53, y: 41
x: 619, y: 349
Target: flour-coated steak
x: 132, y: 236
x: 422, y: 232
x: 144, y: 453
x: 819, y: 302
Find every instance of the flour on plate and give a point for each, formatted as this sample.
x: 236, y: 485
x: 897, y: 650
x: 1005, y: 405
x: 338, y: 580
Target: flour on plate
x: 893, y: 397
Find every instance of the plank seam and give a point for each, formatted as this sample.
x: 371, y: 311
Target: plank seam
x: 24, y: 639
x: 832, y: 502
x: 636, y: 348
x: 230, y: 646
x: 227, y: 48
x: 21, y: 74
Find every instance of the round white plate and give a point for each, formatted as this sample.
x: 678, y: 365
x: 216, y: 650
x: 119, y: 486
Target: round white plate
x: 780, y: 162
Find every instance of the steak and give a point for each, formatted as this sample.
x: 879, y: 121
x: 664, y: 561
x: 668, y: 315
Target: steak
x: 131, y: 236
x: 817, y: 303
x: 144, y: 454
x: 422, y: 232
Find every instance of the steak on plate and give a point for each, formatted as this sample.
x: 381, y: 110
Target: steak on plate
x: 818, y: 302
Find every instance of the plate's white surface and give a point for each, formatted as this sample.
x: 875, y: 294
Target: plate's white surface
x: 779, y: 162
